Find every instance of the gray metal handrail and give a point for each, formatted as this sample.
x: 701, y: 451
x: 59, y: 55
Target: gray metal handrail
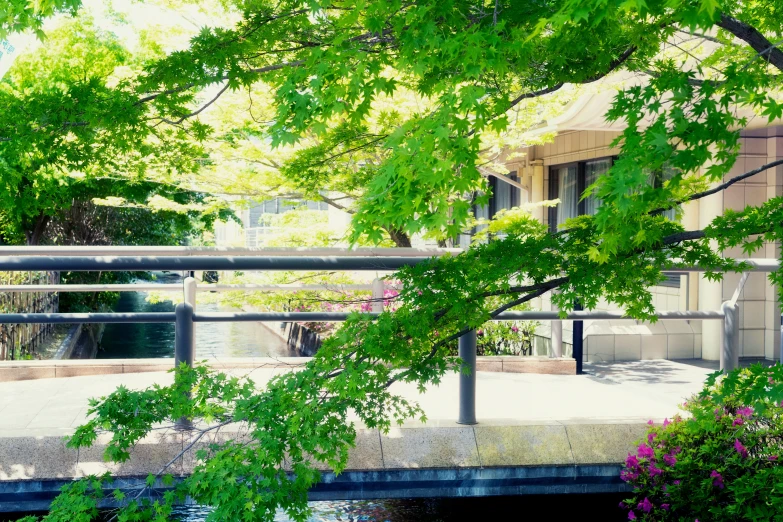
x: 195, y: 259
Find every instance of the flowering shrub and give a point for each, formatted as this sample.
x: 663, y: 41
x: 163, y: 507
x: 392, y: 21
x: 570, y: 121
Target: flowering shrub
x: 721, y: 460
x: 506, y: 338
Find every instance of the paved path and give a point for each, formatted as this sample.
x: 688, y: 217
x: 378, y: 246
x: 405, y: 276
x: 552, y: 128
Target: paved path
x: 627, y: 392
x: 536, y: 434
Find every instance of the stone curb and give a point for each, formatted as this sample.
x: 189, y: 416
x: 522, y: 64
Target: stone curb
x: 52, y: 369
x: 465, y: 447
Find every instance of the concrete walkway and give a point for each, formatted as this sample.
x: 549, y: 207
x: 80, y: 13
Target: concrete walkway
x: 531, y: 426
x: 610, y: 392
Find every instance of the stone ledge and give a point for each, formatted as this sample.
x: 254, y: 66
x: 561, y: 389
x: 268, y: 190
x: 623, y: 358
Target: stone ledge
x: 526, y: 364
x: 483, y: 446
x: 50, y: 369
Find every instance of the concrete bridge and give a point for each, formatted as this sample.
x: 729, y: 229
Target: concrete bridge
x: 535, y: 433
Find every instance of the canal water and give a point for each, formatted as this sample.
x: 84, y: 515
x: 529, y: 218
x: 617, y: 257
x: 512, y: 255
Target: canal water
x: 213, y: 340
x: 601, y: 508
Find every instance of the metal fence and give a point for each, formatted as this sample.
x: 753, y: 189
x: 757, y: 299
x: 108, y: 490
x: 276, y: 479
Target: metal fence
x: 186, y: 316
x: 23, y: 340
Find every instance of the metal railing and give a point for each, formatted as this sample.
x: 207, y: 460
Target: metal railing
x: 185, y: 315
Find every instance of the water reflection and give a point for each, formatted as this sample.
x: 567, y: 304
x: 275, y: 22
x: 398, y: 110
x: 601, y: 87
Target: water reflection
x: 155, y: 340
x: 555, y: 507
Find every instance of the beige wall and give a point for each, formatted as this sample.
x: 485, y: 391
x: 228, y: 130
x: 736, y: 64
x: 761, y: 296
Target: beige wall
x: 759, y: 307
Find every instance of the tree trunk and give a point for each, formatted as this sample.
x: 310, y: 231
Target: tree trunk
x: 400, y: 238
x: 34, y: 236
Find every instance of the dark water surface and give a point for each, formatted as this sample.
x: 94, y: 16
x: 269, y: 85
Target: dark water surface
x: 535, y: 508
x: 154, y: 340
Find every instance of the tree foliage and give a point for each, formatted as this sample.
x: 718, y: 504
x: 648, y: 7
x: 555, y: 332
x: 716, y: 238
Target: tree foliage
x: 328, y: 64
x: 72, y: 131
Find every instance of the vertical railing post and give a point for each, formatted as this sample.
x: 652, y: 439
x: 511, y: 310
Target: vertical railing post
x: 184, y: 347
x: 729, y: 353
x: 377, y: 295
x: 189, y: 291
x: 557, y: 334
x: 578, y: 340
x: 467, y: 381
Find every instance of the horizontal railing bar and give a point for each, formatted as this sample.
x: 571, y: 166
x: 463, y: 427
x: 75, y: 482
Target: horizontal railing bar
x: 91, y: 288
x: 215, y: 317
x: 279, y: 288
x: 221, y: 251
x: 64, y: 318
x: 303, y: 317
x: 756, y: 265
x: 252, y: 263
x: 587, y: 315
x: 247, y: 263
x: 178, y: 287
x: 224, y: 317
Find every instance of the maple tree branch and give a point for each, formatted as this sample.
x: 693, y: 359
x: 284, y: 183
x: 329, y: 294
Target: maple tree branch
x: 722, y: 186
x: 754, y: 38
x: 200, y: 110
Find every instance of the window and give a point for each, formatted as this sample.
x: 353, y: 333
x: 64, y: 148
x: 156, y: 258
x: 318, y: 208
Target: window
x: 504, y: 196
x: 568, y: 182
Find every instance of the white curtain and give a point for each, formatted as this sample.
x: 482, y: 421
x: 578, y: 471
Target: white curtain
x: 502, y: 195
x: 657, y: 180
x: 594, y: 169
x: 566, y: 193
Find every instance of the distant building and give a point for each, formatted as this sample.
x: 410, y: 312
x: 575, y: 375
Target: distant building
x: 253, y: 229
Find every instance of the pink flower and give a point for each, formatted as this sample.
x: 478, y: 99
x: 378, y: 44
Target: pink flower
x: 514, y: 329
x: 738, y: 422
x: 655, y: 471
x: 717, y: 479
x: 650, y: 422
x: 645, y: 451
x: 666, y: 422
x: 772, y: 458
x: 631, y: 462
x: 479, y: 332
x: 676, y: 482
x: 645, y: 505
x: 747, y: 411
x: 677, y: 450
x: 650, y: 438
x: 665, y: 507
x: 743, y: 452
x: 631, y: 515
x: 628, y: 476
x: 670, y: 460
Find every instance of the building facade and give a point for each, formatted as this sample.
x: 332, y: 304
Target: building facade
x: 581, y: 151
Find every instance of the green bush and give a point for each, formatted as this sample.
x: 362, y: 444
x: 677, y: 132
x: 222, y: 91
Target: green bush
x: 506, y: 338
x: 721, y: 460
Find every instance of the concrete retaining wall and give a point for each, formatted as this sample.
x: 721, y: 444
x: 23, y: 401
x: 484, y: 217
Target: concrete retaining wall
x: 66, y: 347
x: 539, y: 457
